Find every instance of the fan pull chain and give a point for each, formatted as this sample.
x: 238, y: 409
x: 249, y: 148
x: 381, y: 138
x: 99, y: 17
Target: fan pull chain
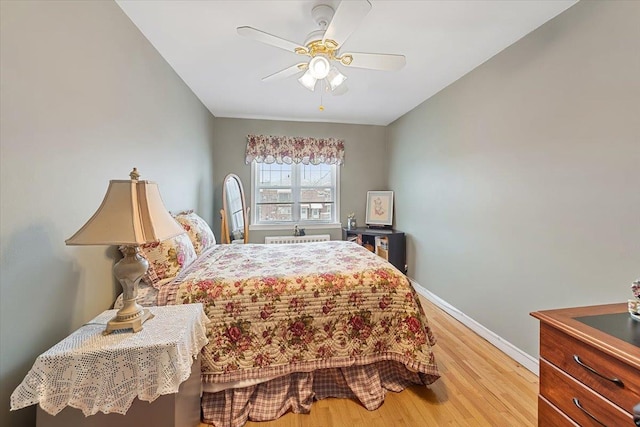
x: 322, y: 89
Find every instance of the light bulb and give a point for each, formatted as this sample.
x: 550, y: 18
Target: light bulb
x: 307, y: 80
x: 319, y: 67
x: 335, y: 78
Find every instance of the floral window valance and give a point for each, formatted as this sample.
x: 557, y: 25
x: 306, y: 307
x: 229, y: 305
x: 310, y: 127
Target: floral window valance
x: 294, y: 149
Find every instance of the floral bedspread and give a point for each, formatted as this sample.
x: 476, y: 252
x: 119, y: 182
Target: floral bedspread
x: 277, y: 309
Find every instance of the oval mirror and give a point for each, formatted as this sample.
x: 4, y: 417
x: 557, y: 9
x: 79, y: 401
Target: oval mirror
x: 234, y: 224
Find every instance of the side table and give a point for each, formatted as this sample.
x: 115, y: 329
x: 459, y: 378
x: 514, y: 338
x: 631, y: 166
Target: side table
x: 151, y: 377
x: 387, y: 243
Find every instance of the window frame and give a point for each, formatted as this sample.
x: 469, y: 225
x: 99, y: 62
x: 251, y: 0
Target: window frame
x: 310, y: 224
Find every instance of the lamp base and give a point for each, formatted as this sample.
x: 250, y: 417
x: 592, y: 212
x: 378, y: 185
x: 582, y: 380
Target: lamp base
x: 129, y: 270
x: 116, y: 324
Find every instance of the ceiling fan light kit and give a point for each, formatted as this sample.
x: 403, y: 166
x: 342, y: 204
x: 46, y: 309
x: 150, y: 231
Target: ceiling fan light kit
x: 324, y: 46
x: 333, y: 77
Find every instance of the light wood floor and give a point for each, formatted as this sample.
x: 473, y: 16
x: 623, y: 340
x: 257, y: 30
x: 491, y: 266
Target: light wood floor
x: 479, y: 386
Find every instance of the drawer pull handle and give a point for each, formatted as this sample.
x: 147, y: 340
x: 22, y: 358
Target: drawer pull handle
x: 577, y: 403
x: 616, y: 381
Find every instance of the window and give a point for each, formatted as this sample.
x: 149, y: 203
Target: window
x: 294, y: 194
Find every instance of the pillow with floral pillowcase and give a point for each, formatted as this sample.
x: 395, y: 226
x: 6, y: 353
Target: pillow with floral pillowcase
x: 198, y: 230
x: 167, y: 259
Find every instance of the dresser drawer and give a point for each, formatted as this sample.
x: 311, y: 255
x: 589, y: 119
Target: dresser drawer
x: 561, y: 350
x: 550, y: 416
x: 570, y: 396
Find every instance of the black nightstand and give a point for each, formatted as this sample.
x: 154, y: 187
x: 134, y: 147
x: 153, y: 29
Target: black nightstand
x: 389, y: 244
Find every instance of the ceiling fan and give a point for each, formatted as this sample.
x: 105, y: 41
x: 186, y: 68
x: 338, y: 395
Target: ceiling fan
x: 323, y: 47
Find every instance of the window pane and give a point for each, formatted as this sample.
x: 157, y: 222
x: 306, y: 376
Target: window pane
x: 274, y: 175
x: 274, y: 195
x: 295, y: 193
x: 315, y: 175
x: 316, y: 195
x: 275, y: 213
x: 315, y: 211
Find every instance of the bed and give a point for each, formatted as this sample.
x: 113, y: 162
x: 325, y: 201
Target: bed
x: 295, y: 323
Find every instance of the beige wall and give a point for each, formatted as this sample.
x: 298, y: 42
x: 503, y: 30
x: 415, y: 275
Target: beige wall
x: 519, y: 184
x: 365, y: 165
x: 84, y: 98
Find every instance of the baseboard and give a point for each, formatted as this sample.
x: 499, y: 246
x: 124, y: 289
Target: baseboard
x: 501, y: 344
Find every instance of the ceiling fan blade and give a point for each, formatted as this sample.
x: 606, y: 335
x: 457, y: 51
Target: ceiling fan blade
x: 267, y: 38
x: 346, y: 19
x: 373, y: 61
x: 294, y: 69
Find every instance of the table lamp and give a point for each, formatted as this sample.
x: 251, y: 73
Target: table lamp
x: 131, y: 214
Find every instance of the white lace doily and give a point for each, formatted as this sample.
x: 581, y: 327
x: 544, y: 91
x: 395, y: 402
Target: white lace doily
x: 94, y: 372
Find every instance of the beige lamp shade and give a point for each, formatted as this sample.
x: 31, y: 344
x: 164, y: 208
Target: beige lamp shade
x: 132, y: 213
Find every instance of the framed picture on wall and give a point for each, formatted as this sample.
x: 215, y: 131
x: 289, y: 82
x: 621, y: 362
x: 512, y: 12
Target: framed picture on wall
x: 379, y: 208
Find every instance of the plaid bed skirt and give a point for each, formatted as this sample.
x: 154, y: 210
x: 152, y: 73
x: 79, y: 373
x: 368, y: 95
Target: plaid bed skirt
x: 296, y: 392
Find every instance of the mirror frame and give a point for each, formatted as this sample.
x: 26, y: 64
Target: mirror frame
x: 225, y: 235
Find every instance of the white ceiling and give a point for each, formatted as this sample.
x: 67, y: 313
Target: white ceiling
x: 442, y: 41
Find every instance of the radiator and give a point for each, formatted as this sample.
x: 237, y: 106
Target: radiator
x: 297, y: 239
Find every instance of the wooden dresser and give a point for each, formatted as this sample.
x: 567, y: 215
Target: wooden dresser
x: 589, y: 366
